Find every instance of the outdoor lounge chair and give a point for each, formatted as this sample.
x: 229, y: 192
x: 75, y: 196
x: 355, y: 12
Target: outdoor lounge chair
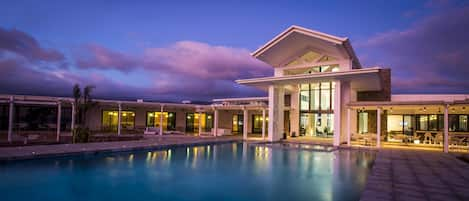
x: 151, y: 131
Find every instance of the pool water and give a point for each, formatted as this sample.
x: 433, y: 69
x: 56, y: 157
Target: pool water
x: 233, y: 171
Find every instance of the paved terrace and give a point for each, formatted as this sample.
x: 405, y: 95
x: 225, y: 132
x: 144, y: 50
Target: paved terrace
x: 417, y: 175
x: 153, y: 142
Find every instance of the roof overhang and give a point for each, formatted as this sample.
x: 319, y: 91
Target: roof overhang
x: 297, y: 40
x: 367, y: 79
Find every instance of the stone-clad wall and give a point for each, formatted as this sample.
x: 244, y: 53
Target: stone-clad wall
x: 382, y: 95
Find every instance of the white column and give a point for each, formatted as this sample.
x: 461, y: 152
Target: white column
x: 349, y: 129
x: 59, y: 119
x: 276, y: 109
x: 10, y: 119
x: 161, y: 120
x: 119, y: 114
x: 200, y: 123
x: 446, y: 137
x: 215, y: 122
x: 295, y: 110
x: 72, y: 125
x: 263, y: 124
x: 245, y: 124
x: 337, y: 114
x: 378, y: 127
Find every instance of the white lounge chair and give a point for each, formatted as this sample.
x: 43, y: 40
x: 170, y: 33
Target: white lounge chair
x: 151, y: 131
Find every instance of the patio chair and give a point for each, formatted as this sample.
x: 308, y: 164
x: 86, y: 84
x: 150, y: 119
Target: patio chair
x: 428, y: 138
x: 439, y: 139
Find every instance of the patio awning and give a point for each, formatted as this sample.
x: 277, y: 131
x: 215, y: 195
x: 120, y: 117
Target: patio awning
x: 368, y: 79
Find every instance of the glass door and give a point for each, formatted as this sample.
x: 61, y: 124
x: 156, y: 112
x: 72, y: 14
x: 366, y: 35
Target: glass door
x: 316, y: 124
x: 237, y: 126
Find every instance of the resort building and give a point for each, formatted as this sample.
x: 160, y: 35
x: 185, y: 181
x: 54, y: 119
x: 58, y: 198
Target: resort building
x: 319, y: 92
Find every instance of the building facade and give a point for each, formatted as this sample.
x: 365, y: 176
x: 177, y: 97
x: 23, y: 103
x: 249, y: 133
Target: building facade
x: 319, y: 92
x: 333, y: 97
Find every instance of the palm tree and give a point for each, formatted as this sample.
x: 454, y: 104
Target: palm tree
x: 87, y: 101
x: 83, y: 102
x: 77, y: 97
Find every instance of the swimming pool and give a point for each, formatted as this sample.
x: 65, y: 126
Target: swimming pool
x: 232, y: 171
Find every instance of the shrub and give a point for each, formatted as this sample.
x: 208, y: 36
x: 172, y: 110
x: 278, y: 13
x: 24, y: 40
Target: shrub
x: 81, y: 135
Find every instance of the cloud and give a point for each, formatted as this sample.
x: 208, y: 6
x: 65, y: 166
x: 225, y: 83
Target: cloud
x: 205, y: 61
x: 190, y: 58
x: 96, y: 56
x: 431, y: 54
x: 20, y: 43
x: 186, y: 70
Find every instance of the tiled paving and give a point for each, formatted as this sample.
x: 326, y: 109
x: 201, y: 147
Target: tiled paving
x: 417, y: 175
x: 153, y: 142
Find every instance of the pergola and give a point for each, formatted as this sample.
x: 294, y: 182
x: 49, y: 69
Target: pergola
x: 405, y: 107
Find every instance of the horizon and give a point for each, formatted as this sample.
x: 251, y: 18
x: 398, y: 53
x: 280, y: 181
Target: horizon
x: 149, y: 50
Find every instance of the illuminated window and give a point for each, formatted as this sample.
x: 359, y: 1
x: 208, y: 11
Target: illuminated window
x: 363, y: 122
x: 194, y: 119
x: 169, y: 120
x: 110, y: 120
x: 257, y: 123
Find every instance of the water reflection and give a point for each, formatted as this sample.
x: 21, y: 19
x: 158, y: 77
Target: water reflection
x: 196, y: 173
x: 161, y: 155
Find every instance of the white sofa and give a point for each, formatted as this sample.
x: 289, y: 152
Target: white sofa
x: 222, y: 131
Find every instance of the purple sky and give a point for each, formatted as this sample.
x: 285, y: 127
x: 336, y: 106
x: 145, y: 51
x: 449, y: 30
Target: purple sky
x: 194, y: 51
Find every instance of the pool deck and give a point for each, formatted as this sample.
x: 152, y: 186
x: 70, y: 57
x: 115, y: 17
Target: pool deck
x: 149, y: 142
x: 417, y: 175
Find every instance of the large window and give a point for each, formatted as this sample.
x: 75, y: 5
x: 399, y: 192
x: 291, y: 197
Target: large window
x: 304, y: 99
x: 317, y: 125
x: 169, y: 120
x: 4, y: 110
x: 38, y: 118
x: 317, y: 96
x: 458, y: 123
x: 326, y: 96
x: 363, y: 122
x: 462, y: 122
x: 110, y: 120
x: 194, y: 119
x: 316, y: 106
x: 237, y: 123
x: 257, y: 123
x: 400, y: 128
x: 433, y: 122
x: 429, y: 122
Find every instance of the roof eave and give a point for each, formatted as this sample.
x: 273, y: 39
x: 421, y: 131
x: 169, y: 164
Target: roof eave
x: 293, y: 28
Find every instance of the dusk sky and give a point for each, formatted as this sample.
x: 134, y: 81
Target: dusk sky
x: 194, y: 50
